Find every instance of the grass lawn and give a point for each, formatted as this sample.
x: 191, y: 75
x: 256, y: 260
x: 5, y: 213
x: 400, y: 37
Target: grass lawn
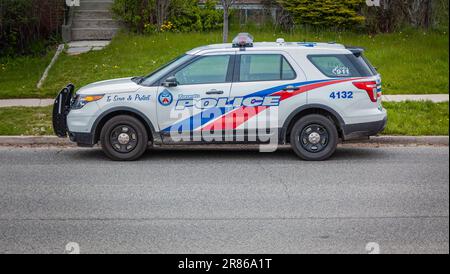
x: 19, y: 76
x: 407, y: 118
x: 26, y: 121
x: 410, y: 62
x: 417, y: 118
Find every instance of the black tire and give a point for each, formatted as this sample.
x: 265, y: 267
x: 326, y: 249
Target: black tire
x: 137, y: 136
x: 307, y: 149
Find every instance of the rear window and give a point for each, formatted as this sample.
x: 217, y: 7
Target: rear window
x: 342, y: 65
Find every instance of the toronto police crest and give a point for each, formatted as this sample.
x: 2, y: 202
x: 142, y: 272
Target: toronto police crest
x: 165, y: 98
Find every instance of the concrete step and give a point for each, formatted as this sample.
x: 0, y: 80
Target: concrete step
x: 109, y: 1
x: 95, y: 23
x: 93, y: 33
x: 95, y: 5
x: 92, y: 14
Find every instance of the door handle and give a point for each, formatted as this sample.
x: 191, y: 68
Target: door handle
x: 214, y: 91
x: 291, y: 88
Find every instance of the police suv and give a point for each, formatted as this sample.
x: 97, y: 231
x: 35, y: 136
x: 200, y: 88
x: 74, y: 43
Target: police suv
x: 310, y: 95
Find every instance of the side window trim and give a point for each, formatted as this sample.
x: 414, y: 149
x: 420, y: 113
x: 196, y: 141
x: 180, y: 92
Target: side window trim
x: 290, y: 66
x: 228, y: 79
x: 237, y: 68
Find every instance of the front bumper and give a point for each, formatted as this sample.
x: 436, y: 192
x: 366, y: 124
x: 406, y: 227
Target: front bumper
x: 363, y: 130
x: 61, y: 109
x: 82, y: 139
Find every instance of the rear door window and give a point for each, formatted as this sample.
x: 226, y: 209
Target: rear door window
x: 342, y: 65
x: 264, y: 67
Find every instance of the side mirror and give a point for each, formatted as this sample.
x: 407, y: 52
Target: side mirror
x: 170, y: 82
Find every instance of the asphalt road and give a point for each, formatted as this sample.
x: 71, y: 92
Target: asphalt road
x: 225, y: 201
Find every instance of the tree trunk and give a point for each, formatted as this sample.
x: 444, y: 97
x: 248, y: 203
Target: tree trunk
x: 225, y: 25
x: 226, y: 4
x: 162, y: 7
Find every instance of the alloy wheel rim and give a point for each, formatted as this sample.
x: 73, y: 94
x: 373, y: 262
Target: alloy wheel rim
x: 123, y: 138
x: 314, y: 138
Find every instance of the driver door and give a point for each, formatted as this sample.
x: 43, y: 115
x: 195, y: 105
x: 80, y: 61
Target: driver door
x: 181, y: 111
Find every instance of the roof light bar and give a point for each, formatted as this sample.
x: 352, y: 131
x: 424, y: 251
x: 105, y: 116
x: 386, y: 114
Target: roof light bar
x: 243, y: 40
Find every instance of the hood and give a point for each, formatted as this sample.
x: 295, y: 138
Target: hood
x: 109, y: 86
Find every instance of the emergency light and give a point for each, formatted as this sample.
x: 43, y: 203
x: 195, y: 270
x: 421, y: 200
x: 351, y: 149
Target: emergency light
x: 243, y: 40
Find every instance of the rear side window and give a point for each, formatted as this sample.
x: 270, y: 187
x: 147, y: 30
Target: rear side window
x: 264, y: 67
x: 342, y: 65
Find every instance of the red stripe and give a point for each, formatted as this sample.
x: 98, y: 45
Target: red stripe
x: 238, y: 116
x: 234, y: 118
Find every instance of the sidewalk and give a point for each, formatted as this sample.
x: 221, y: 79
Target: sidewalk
x: 436, y: 98
x: 26, y: 102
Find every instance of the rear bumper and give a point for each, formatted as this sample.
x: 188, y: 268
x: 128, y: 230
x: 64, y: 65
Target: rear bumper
x: 363, y: 130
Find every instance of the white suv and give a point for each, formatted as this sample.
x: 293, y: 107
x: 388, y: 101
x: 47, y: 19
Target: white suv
x: 307, y: 94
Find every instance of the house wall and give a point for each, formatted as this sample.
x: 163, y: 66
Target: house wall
x: 51, y: 15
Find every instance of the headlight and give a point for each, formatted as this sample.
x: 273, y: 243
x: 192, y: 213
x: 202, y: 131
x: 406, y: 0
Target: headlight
x: 82, y: 100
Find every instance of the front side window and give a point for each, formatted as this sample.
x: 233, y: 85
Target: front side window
x: 342, y: 65
x: 157, y: 74
x: 205, y: 70
x: 264, y: 67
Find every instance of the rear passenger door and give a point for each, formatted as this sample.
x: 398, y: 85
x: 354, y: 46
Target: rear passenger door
x: 263, y: 78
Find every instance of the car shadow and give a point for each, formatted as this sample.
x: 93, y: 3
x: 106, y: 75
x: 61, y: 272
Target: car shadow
x: 230, y: 153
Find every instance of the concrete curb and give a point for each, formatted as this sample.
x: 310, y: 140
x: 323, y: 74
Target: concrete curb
x: 45, y: 74
x: 381, y: 140
x: 408, y: 140
x: 34, y: 140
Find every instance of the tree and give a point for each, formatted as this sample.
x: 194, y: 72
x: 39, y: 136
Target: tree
x: 162, y: 8
x: 226, y: 5
x: 393, y: 15
x: 420, y: 12
x: 325, y: 13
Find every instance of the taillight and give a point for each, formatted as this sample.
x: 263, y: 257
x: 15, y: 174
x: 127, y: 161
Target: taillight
x: 370, y: 87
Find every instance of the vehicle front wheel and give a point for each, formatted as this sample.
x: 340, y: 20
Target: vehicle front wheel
x: 124, y: 138
x: 314, y: 138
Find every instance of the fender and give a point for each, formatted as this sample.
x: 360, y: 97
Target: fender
x: 148, y: 123
x: 284, y: 129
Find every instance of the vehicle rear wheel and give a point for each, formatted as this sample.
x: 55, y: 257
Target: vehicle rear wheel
x: 124, y: 138
x: 314, y: 138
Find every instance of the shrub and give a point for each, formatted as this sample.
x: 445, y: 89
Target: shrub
x: 183, y: 15
x: 397, y: 15
x: 341, y: 14
x: 135, y: 14
x: 187, y: 15
x: 28, y: 26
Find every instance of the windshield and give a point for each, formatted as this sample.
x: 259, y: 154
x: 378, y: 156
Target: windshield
x: 154, y: 76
